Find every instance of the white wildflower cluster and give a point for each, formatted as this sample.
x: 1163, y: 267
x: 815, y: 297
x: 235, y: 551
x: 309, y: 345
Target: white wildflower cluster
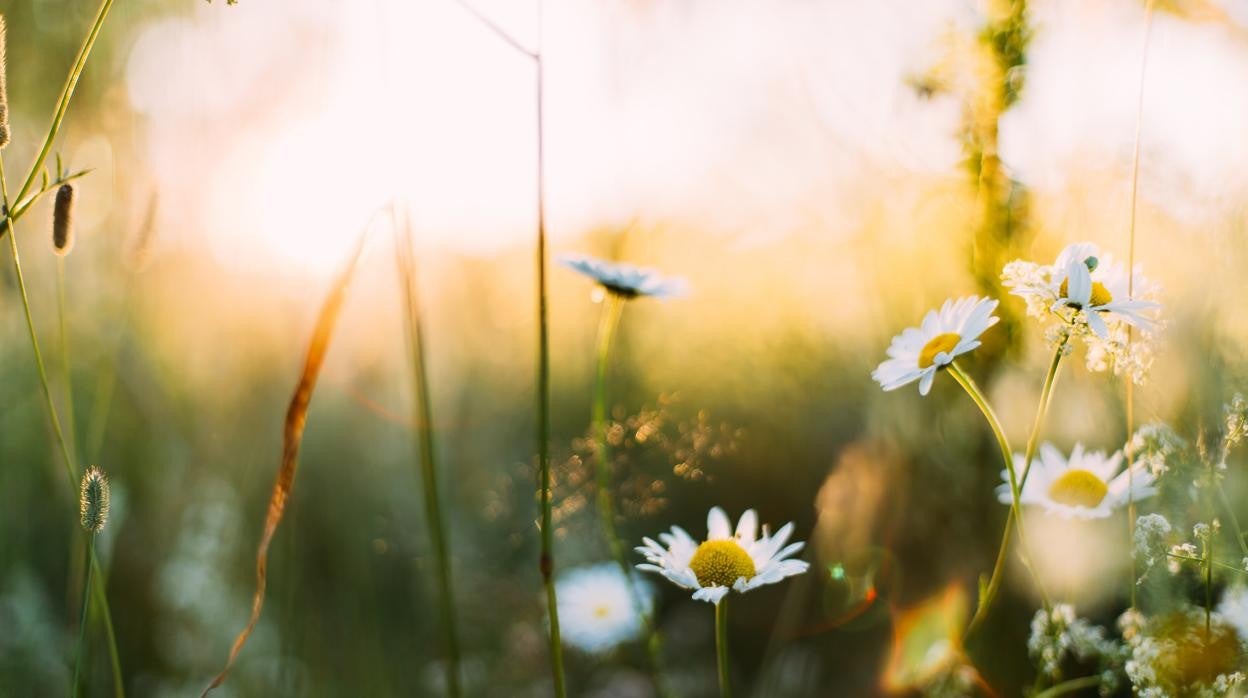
x: 1235, y: 416
x: 1181, y: 550
x: 1089, y: 296
x: 1151, y: 531
x: 1174, y: 654
x: 1156, y: 447
x: 1059, y: 634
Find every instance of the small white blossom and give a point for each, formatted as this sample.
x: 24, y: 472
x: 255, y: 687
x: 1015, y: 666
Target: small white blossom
x: 1150, y: 541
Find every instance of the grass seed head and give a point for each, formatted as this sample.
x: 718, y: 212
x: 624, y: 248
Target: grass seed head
x: 4, y: 93
x: 93, y: 500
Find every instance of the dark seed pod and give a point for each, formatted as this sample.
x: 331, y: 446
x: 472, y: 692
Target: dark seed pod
x: 93, y: 500
x: 63, y: 220
x: 4, y: 92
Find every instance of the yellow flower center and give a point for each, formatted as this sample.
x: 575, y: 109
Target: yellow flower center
x: 1100, y: 294
x: 936, y: 345
x: 601, y: 611
x: 1078, y: 488
x: 720, y: 563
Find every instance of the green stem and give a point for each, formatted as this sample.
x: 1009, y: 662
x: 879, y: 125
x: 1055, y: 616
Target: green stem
x: 546, y: 562
x: 1007, y: 458
x: 721, y: 647
x: 67, y: 376
x: 428, y: 465
x: 82, y: 623
x: 1207, y: 563
x: 1215, y: 563
x: 62, y: 103
x: 1230, y: 512
x: 998, y: 568
x: 70, y: 470
x: 1069, y: 687
x: 612, y: 309
x: 21, y: 207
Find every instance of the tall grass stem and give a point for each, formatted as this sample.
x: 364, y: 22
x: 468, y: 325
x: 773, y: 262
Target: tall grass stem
x: 428, y: 464
x: 82, y: 623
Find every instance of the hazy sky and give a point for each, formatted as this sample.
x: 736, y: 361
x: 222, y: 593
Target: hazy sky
x: 738, y: 116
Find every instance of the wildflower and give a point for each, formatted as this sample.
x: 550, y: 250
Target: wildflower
x: 93, y: 499
x: 1058, y: 633
x: 1177, y: 552
x: 1234, y: 609
x: 596, y: 608
x: 1235, y: 418
x: 1155, y: 446
x: 1174, y: 654
x: 626, y: 280
x: 1150, y: 541
x: 919, y: 352
x: 1082, y: 487
x: 1089, y: 295
x: 740, y: 561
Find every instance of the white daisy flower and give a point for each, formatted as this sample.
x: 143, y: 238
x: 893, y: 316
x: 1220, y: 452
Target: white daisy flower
x: 1085, y: 486
x: 596, y: 609
x: 919, y: 352
x: 739, y: 561
x: 1083, y: 286
x: 1234, y: 609
x: 626, y: 280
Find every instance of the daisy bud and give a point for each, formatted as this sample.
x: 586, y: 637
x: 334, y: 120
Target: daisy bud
x: 93, y: 500
x: 4, y: 93
x: 63, y: 220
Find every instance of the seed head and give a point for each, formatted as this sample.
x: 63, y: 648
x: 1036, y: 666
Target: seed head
x: 4, y: 93
x: 93, y: 500
x: 63, y: 220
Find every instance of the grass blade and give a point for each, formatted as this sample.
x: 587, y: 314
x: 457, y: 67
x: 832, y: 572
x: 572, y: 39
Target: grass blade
x: 292, y: 437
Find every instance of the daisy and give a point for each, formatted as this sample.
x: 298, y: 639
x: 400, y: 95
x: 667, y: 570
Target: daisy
x: 1085, y: 486
x: 1083, y: 287
x: 626, y: 280
x: 596, y: 608
x: 740, y: 561
x: 919, y: 352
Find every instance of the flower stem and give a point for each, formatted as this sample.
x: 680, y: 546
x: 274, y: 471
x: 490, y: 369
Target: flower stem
x: 82, y: 623
x: 998, y: 568
x: 612, y: 309
x: 1007, y: 458
x: 428, y: 464
x: 721, y: 647
x: 1069, y: 686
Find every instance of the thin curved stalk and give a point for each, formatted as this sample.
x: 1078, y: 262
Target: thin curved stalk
x: 1070, y: 686
x: 998, y: 568
x: 721, y: 647
x: 612, y: 309
x: 546, y: 562
x: 1130, y: 389
x: 1007, y: 458
x: 82, y: 622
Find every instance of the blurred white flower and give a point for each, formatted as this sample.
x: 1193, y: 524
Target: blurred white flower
x: 740, y: 561
x: 596, y: 608
x: 1089, y: 294
x: 1151, y: 531
x: 626, y: 280
x: 1234, y: 609
x: 1081, y: 487
x: 919, y: 352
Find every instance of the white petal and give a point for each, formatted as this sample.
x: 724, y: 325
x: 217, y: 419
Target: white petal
x: 717, y: 525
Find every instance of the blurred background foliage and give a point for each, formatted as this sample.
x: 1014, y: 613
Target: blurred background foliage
x: 186, y: 334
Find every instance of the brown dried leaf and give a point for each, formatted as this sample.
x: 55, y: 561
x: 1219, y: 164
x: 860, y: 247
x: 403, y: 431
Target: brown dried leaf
x: 292, y: 436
